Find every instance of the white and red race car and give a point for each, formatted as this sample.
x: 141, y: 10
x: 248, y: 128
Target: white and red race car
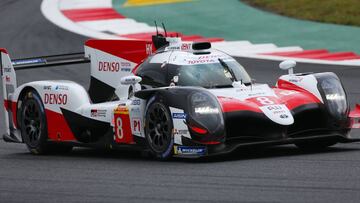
x: 171, y: 98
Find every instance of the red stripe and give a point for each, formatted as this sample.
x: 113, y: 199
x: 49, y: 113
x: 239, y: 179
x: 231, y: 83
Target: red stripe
x: 299, y: 53
x: 232, y: 104
x: 318, y: 54
x: 331, y: 56
x: 194, y: 38
x: 11, y: 106
x: 3, y: 50
x: 211, y: 39
x: 356, y: 112
x: 58, y: 129
x: 191, y: 37
x: 132, y: 50
x: 77, y: 15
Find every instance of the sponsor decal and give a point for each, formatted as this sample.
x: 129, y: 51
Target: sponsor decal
x: 98, y: 113
x: 47, y: 87
x: 125, y: 64
x: 148, y: 49
x: 136, y: 125
x: 296, y: 79
x: 135, y: 110
x: 186, y: 46
x: 180, y: 132
x: 28, y: 61
x: 173, y: 48
x: 284, y: 116
x: 61, y: 87
x: 189, y: 150
x: 60, y: 99
x: 109, y: 66
x: 135, y: 102
x: 274, y: 107
x: 201, y: 61
x: 125, y: 69
x: 179, y: 115
x: 7, y: 70
x: 121, y: 110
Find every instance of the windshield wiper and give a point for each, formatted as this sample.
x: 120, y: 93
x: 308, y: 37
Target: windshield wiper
x: 227, y: 68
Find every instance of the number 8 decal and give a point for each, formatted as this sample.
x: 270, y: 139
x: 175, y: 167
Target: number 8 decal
x: 119, y: 131
x: 264, y: 100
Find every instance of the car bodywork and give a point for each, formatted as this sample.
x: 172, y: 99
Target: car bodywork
x: 204, y: 120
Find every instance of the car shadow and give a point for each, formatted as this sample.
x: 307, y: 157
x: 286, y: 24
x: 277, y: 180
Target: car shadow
x: 274, y: 152
x: 238, y: 155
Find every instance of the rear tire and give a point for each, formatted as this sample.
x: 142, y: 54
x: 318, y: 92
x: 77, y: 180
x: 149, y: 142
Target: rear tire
x: 33, y: 126
x: 159, y: 129
x: 33, y: 123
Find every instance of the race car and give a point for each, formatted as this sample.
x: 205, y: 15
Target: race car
x: 171, y: 98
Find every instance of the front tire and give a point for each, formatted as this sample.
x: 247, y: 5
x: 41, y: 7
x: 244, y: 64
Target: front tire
x: 159, y: 129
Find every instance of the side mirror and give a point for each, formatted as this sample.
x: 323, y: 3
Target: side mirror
x: 124, y: 92
x: 288, y: 65
x: 130, y: 80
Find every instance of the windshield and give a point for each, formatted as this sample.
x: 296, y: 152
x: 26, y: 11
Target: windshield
x: 212, y: 75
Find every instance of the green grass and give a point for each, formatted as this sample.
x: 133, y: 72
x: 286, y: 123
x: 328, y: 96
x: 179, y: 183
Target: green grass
x: 346, y: 12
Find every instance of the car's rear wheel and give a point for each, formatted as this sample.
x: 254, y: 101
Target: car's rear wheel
x: 34, y: 127
x: 315, y: 145
x: 159, y: 130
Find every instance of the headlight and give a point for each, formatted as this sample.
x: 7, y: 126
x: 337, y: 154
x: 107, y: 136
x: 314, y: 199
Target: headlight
x: 206, y: 112
x: 335, y: 97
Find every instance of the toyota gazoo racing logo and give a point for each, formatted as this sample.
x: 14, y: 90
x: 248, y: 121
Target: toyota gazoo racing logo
x: 60, y: 99
x: 105, y: 66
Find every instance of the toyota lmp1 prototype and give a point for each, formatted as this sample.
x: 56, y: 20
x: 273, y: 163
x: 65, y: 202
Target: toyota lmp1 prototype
x: 170, y: 98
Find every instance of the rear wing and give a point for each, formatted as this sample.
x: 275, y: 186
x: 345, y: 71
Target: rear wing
x: 52, y: 60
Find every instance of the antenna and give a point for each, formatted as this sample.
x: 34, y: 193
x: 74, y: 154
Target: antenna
x: 164, y: 29
x: 157, y: 31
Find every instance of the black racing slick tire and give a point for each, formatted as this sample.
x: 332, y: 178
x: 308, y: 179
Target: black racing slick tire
x: 315, y: 145
x: 159, y: 129
x: 33, y: 126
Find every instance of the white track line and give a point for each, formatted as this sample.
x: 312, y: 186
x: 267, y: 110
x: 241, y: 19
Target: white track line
x: 83, y: 4
x: 50, y: 9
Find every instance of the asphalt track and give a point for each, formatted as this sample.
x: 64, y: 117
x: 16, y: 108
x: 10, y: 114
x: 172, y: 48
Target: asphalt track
x: 279, y: 174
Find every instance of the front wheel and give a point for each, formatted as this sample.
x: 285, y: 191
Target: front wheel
x: 159, y: 129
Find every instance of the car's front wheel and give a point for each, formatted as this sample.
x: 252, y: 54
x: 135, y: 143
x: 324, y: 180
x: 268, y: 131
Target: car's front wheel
x: 159, y: 129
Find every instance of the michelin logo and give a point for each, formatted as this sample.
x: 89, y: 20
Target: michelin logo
x: 186, y: 150
x: 179, y: 115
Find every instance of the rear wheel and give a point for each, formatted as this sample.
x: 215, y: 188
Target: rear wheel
x: 158, y: 130
x: 34, y: 127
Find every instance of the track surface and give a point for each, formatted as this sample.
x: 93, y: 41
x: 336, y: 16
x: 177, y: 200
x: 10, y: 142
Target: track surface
x: 281, y: 174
